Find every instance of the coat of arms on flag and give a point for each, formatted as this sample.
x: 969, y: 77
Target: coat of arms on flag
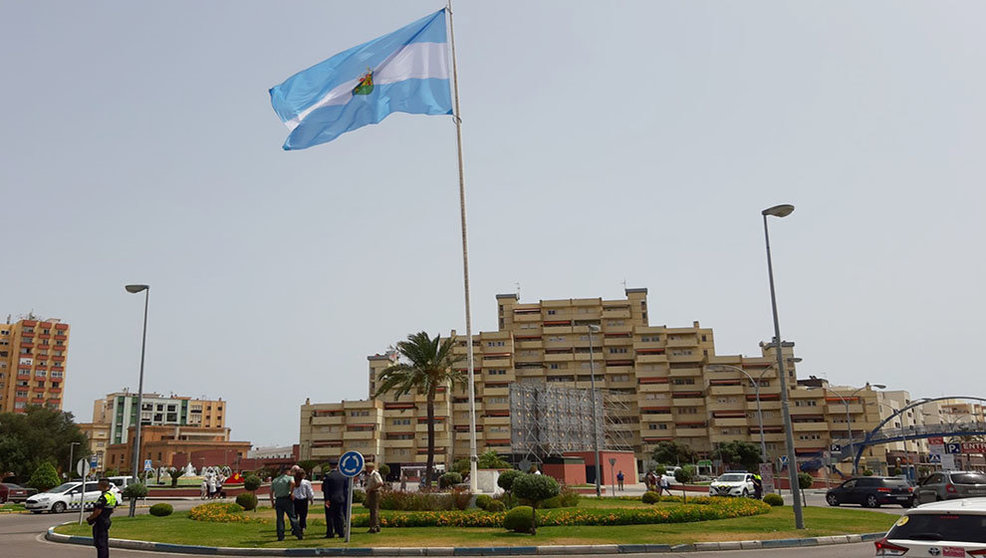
x: 365, y: 85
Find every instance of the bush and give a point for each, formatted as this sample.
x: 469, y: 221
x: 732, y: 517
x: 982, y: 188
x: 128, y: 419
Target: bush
x: 496, y: 506
x: 483, y: 501
x: 685, y: 475
x: 247, y: 500
x: 161, y: 510
x: 359, y: 496
x: 449, y: 479
x: 383, y: 469
x: 461, y: 466
x: 535, y: 488
x: 520, y: 520
x: 135, y: 490
x: 774, y: 500
x: 805, y: 480
x: 867, y: 472
x: 251, y: 482
x: 660, y: 470
x: 650, y: 497
x: 44, y: 477
x: 567, y: 498
x: 507, y: 478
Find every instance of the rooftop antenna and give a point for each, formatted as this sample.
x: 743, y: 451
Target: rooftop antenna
x: 624, y: 283
x: 517, y: 284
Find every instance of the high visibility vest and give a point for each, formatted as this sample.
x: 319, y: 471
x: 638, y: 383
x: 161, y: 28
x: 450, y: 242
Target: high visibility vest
x: 110, y: 499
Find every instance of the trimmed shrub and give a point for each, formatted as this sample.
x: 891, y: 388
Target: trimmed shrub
x: 135, y: 490
x: 383, y: 469
x: 251, y: 482
x: 44, y: 477
x: 774, y: 500
x: 685, y: 475
x: 496, y: 506
x: 519, y: 520
x: 805, y: 480
x: 507, y: 478
x: 650, y: 497
x: 567, y: 498
x: 449, y: 479
x: 359, y: 496
x: 161, y: 510
x: 483, y: 501
x: 247, y: 500
x: 535, y: 488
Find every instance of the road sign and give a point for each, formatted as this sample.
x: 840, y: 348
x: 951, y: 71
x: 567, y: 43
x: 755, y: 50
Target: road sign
x: 147, y: 465
x: 953, y: 447
x: 835, y: 448
x: 82, y: 467
x: 351, y: 463
x: 973, y: 447
x: 934, y: 458
x: 783, y: 460
x: 93, y: 461
x: 948, y: 462
x: 936, y: 440
x: 767, y: 477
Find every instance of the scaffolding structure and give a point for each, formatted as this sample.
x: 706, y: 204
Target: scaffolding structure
x: 547, y: 420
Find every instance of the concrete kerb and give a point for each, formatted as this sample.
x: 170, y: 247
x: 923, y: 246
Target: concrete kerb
x: 52, y: 536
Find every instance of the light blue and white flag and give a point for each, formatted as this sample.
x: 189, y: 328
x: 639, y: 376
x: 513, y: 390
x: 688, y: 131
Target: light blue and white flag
x: 404, y: 71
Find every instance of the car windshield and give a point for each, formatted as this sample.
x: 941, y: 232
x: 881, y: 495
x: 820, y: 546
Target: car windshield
x: 969, y: 478
x: 940, y: 527
x: 63, y: 487
x: 736, y: 477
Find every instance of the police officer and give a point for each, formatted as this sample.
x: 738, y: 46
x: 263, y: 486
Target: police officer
x: 100, y: 519
x: 757, y: 486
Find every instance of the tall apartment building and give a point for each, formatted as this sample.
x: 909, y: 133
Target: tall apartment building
x: 119, y: 411
x: 671, y: 380
x: 32, y: 363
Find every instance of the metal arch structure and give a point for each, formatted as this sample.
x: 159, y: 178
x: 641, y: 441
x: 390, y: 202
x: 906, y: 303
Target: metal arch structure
x: 871, y: 438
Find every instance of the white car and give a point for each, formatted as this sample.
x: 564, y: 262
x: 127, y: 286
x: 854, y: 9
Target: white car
x: 939, y: 529
x: 67, y: 496
x: 733, y: 484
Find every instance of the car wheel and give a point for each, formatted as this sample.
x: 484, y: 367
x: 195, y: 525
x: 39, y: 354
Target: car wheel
x: 908, y: 504
x: 832, y: 499
x: 872, y: 502
x: 58, y: 507
x: 746, y: 493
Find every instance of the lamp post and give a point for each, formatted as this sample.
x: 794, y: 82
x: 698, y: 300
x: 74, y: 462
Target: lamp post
x: 134, y: 289
x: 756, y: 386
x: 595, y: 426
x: 792, y: 464
x: 71, y: 458
x: 845, y: 401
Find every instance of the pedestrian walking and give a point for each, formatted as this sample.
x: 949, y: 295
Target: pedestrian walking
x: 212, y: 486
x: 373, y: 485
x: 335, y: 490
x: 100, y: 519
x: 619, y: 480
x: 281, y: 490
x: 303, y: 496
x: 204, y: 489
x: 665, y: 486
x: 403, y: 481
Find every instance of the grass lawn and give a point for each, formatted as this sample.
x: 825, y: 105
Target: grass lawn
x: 778, y: 524
x: 11, y: 507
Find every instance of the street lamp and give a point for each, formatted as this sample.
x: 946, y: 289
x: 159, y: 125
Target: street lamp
x: 845, y: 401
x: 792, y: 463
x: 756, y: 385
x: 595, y: 426
x: 71, y: 457
x: 134, y: 289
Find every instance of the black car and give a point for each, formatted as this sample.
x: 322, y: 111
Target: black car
x: 871, y: 492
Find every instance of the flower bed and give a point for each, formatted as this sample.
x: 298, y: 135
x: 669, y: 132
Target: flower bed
x: 220, y: 512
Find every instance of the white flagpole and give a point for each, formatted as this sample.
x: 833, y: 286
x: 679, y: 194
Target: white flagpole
x: 473, y: 458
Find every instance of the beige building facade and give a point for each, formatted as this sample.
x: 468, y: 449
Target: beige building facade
x: 671, y: 380
x: 33, y: 353
x: 118, y: 412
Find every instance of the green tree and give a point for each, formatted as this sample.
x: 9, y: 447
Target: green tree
x: 38, y: 435
x: 44, y: 477
x: 309, y: 465
x: 738, y: 454
x: 175, y: 474
x: 491, y: 460
x: 426, y: 365
x: 535, y: 489
x: 673, y: 453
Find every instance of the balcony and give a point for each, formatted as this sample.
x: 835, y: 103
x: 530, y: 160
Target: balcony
x: 651, y: 359
x: 388, y: 444
x: 727, y: 390
x: 682, y: 342
x: 61, y: 337
x: 360, y: 435
x: 810, y: 426
x: 688, y: 401
x: 689, y: 372
x: 616, y: 314
x: 732, y: 422
x: 321, y: 421
x: 559, y: 357
x: 531, y: 344
x: 691, y: 432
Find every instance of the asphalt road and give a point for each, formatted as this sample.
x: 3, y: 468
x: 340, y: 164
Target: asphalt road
x: 21, y: 536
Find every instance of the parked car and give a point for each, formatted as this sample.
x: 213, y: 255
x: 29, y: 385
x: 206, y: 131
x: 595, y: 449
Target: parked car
x: 948, y: 485
x: 733, y: 484
x: 872, y: 492
x: 10, y: 492
x: 949, y: 528
x: 66, y: 496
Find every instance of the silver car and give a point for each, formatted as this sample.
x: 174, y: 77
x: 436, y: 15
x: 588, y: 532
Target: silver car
x: 948, y: 485
x: 938, y: 530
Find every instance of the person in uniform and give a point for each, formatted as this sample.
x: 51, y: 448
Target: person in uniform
x: 374, y: 482
x: 757, y: 486
x: 281, y: 496
x: 100, y: 519
x: 335, y: 490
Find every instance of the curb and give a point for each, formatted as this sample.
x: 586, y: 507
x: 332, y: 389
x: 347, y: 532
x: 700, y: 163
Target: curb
x: 52, y: 536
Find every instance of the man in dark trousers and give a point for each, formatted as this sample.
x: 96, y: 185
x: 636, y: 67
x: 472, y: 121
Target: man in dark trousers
x: 100, y: 519
x: 335, y: 490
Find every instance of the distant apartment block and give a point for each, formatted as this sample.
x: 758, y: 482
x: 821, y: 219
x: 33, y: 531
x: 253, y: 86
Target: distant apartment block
x: 118, y: 411
x: 32, y: 363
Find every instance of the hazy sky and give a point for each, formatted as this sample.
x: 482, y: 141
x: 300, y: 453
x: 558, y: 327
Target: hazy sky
x: 604, y: 142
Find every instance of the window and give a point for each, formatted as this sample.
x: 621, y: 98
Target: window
x: 657, y: 426
x: 684, y: 381
x: 551, y: 312
x: 617, y: 350
x: 688, y: 411
x: 401, y: 422
x: 806, y: 403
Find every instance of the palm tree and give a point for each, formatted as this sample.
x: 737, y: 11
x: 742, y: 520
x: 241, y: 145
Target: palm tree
x: 427, y: 364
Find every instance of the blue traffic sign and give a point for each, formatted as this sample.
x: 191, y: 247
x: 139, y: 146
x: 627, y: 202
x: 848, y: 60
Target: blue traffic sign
x: 835, y: 448
x: 953, y: 447
x: 934, y: 458
x: 351, y: 463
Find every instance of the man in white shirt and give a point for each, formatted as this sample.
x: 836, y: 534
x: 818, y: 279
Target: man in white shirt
x: 374, y: 482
